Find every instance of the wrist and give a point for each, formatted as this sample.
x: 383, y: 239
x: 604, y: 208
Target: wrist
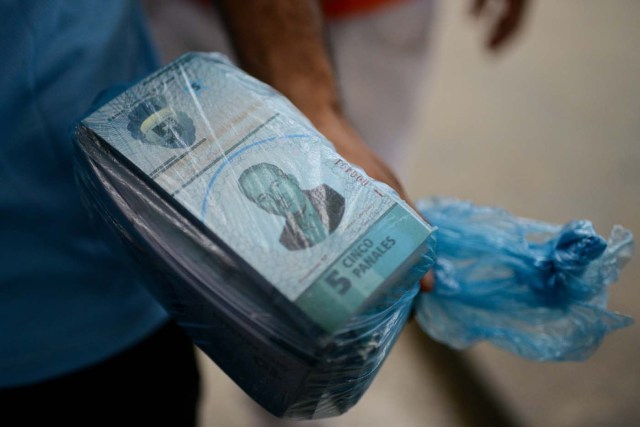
x: 315, y: 97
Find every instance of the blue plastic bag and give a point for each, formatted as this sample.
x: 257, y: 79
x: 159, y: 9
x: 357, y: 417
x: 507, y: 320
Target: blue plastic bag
x: 535, y: 289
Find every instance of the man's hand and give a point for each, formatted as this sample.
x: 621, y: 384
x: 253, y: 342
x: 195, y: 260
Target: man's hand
x: 507, y: 22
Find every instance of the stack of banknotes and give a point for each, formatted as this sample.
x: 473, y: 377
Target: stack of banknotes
x: 292, y: 269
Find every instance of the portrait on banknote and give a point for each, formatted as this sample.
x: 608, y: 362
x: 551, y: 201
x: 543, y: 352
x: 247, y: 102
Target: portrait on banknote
x: 310, y: 215
x: 154, y: 122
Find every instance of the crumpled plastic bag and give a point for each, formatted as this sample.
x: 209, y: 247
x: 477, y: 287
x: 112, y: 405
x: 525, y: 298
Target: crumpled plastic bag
x: 535, y: 289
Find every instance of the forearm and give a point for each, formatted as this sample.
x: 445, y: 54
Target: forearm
x: 281, y: 42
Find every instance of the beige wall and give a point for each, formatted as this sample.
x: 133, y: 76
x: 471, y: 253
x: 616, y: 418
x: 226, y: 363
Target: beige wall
x: 549, y: 130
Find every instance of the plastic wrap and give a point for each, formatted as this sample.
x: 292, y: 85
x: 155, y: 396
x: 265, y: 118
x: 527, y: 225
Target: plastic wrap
x: 538, y: 290
x: 290, y: 268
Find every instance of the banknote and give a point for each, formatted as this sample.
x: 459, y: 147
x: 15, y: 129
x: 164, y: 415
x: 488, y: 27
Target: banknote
x: 243, y: 162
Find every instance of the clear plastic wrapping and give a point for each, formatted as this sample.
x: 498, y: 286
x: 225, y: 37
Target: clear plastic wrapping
x: 293, y: 270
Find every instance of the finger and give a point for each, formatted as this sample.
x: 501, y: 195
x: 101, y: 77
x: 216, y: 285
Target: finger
x: 427, y: 282
x: 507, y: 25
x: 477, y: 7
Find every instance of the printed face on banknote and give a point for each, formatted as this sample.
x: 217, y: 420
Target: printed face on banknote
x: 311, y: 215
x: 152, y: 121
x: 272, y: 189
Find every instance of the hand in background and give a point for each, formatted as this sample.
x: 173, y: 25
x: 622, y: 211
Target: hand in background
x: 506, y: 24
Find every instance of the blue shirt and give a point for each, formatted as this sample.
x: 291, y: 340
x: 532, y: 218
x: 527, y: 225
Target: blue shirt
x: 67, y: 298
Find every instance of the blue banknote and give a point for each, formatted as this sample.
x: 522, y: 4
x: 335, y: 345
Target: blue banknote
x: 244, y: 162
